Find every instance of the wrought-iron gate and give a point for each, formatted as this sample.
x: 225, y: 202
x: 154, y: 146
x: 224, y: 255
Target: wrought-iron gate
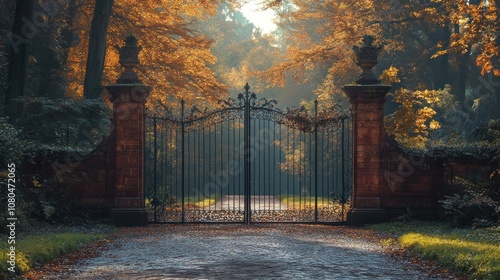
x: 248, y: 161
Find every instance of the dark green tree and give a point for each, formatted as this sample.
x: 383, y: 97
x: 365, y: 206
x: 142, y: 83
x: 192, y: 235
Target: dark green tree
x: 97, y: 49
x: 18, y: 51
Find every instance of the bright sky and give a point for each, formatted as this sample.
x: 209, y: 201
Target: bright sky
x: 261, y: 19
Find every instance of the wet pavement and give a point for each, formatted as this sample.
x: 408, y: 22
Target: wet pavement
x: 234, y: 251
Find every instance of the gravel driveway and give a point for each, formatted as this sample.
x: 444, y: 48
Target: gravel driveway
x: 233, y: 251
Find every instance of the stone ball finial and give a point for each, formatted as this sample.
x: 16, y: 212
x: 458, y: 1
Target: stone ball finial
x: 367, y: 58
x: 129, y: 59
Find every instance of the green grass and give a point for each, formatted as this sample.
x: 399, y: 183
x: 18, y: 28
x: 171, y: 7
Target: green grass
x: 189, y: 201
x: 207, y: 202
x: 474, y: 253
x: 297, y: 202
x: 33, y: 250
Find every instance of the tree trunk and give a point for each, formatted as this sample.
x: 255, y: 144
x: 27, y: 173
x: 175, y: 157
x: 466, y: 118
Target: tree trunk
x: 52, y: 61
x: 68, y: 33
x: 22, y: 31
x: 50, y: 81
x: 92, y: 87
x: 463, y: 70
x: 442, y: 77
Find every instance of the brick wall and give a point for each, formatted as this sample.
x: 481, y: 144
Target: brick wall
x: 89, y: 181
x: 410, y: 182
x: 96, y: 175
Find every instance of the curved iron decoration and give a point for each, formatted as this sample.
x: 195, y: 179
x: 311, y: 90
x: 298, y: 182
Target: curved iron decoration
x: 263, y: 108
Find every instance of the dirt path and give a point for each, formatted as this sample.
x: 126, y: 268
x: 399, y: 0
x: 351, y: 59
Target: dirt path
x: 218, y: 251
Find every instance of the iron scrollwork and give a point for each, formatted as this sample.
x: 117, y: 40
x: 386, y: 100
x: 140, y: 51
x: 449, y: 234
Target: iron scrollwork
x: 299, y: 118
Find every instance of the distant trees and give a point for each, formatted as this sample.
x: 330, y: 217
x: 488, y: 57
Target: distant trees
x: 432, y: 44
x: 240, y: 48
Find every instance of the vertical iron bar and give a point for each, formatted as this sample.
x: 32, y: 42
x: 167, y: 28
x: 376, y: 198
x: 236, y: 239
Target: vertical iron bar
x: 255, y: 185
x: 262, y: 169
x: 209, y: 154
x: 233, y: 170
x: 228, y: 144
x: 330, y: 165
x: 215, y: 154
x: 325, y: 189
x: 267, y: 152
x: 183, y: 132
x: 154, y: 170
x: 171, y: 171
x: 273, y: 166
x: 294, y: 171
x: 221, y: 153
x: 287, y: 169
x: 336, y: 176
x: 163, y: 158
x: 178, y: 167
x: 343, y: 169
x: 246, y: 123
x: 230, y: 175
x: 316, y: 160
x: 226, y: 188
x: 201, y: 169
x: 240, y: 178
x: 280, y: 182
x: 299, y: 166
x: 147, y: 165
x: 262, y: 166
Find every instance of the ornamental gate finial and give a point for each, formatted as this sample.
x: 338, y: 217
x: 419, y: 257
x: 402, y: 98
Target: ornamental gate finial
x: 129, y: 60
x: 367, y: 59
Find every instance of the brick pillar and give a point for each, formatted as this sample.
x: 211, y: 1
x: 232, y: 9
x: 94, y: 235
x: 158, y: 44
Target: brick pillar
x: 129, y: 98
x: 367, y: 98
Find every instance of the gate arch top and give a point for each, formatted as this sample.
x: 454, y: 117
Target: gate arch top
x: 230, y: 109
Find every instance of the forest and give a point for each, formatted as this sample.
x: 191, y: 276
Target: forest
x: 441, y: 57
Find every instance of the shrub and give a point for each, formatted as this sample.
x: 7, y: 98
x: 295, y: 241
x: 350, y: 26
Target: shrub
x: 50, y: 202
x: 51, y: 129
x: 11, y: 148
x: 472, y: 204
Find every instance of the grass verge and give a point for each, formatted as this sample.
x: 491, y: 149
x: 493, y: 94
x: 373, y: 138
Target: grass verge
x: 35, y: 250
x: 474, y: 253
x: 298, y: 202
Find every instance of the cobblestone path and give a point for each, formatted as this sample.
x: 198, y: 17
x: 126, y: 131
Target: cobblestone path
x: 230, y: 251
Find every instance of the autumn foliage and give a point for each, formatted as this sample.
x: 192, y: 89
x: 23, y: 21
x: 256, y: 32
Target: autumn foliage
x: 441, y: 49
x: 175, y: 58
